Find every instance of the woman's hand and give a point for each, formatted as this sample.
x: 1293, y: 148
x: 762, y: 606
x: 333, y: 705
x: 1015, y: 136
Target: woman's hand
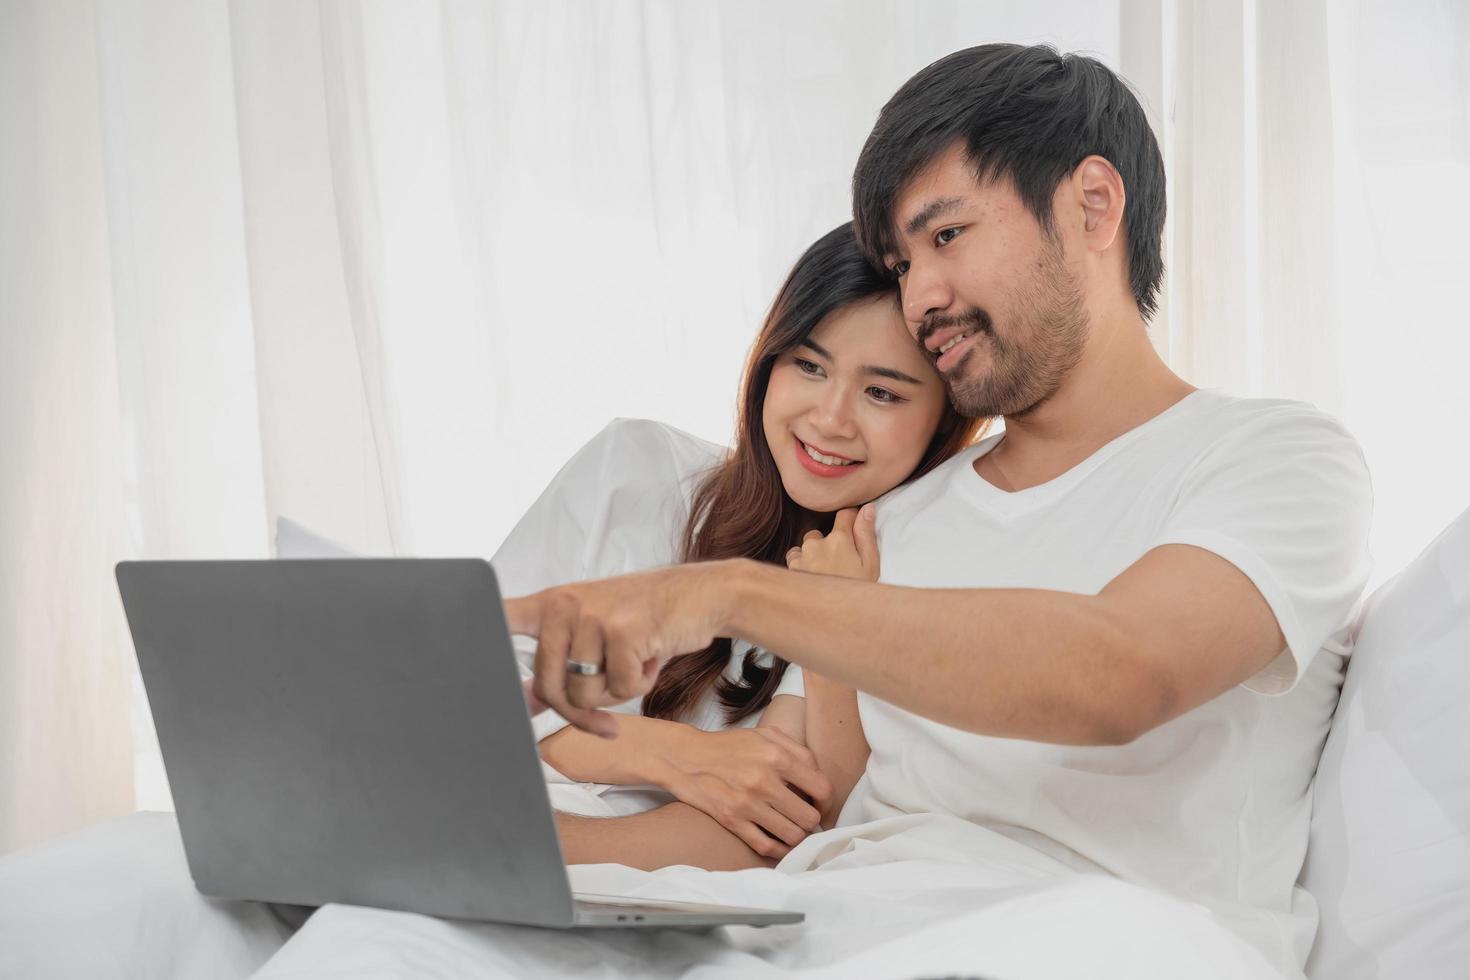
x: 752, y: 780
x: 849, y: 551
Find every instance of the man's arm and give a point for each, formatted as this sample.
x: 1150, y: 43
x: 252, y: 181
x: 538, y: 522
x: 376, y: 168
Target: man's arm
x: 1174, y: 630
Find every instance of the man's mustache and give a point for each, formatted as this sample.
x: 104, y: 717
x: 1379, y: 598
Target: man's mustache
x: 973, y: 317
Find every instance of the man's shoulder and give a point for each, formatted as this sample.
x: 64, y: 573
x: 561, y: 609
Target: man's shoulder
x: 919, y: 492
x: 1257, y: 423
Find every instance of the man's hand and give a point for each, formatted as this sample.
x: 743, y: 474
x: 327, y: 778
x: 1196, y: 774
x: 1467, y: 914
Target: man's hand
x: 626, y: 627
x: 849, y: 551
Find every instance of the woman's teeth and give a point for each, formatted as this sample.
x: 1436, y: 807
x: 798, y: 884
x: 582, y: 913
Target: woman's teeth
x: 954, y: 340
x: 829, y: 460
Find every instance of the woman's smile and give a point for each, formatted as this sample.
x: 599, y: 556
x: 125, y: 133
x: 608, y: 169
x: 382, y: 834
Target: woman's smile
x: 824, y: 464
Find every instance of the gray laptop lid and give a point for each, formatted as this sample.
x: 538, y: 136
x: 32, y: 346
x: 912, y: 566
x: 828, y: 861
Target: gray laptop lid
x: 348, y: 731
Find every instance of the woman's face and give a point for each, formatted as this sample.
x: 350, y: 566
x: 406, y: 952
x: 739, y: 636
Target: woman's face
x: 849, y: 412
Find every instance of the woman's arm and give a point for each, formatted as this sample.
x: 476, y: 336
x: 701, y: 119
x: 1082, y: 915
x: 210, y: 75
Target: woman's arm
x: 835, y: 736
x: 787, y: 714
x: 759, y: 784
x: 674, y: 834
x: 638, y: 756
x: 831, y: 728
x: 826, y: 721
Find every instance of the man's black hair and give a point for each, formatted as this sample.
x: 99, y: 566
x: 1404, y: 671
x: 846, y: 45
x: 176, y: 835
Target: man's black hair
x: 1026, y: 114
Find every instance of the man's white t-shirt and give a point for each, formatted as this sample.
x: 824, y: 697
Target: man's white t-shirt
x: 619, y: 505
x: 1213, y: 806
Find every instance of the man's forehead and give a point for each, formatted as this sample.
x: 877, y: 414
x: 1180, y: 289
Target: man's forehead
x: 917, y: 212
x: 947, y: 186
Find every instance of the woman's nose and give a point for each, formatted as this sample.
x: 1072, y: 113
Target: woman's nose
x: 833, y: 416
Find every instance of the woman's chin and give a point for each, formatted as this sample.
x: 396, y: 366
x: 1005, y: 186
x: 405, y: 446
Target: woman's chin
x: 821, y: 503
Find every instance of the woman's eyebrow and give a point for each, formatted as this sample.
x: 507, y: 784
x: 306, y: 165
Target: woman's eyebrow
x: 892, y: 374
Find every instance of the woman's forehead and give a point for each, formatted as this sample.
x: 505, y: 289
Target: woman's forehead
x: 870, y: 331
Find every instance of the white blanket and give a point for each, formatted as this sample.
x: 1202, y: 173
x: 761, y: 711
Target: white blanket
x: 908, y: 897
x: 116, y: 900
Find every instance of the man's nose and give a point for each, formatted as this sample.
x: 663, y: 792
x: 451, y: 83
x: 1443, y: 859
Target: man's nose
x: 924, y: 292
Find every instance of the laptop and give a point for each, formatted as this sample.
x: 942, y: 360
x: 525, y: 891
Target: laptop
x: 354, y: 730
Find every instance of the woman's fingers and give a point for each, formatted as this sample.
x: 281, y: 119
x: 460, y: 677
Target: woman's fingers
x: 865, y: 536
x: 759, y: 841
x: 792, y: 749
x: 795, y: 809
x: 809, y: 780
x: 843, y: 522
x: 777, y: 825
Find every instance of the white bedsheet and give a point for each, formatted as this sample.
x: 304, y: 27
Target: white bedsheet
x: 116, y: 900
x: 907, y: 897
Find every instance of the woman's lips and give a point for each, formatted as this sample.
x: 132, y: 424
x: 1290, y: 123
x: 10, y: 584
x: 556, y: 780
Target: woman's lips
x: 818, y: 467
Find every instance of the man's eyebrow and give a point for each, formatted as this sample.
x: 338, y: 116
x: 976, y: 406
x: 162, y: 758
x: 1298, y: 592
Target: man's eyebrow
x: 929, y: 212
x: 882, y: 372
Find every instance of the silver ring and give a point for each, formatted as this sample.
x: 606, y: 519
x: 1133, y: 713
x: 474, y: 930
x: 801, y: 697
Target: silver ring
x: 584, y: 668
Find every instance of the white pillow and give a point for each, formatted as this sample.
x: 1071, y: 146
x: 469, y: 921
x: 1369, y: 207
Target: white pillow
x: 298, y: 541
x: 1389, y: 858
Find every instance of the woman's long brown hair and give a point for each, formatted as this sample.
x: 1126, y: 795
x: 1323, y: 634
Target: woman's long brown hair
x: 741, y: 509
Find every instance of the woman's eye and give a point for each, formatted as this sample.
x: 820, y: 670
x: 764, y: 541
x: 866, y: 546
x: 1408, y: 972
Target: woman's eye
x: 883, y: 395
x: 900, y: 268
x: 807, y: 367
x: 944, y: 236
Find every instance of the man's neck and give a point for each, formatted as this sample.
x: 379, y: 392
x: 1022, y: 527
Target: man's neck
x: 1119, y: 384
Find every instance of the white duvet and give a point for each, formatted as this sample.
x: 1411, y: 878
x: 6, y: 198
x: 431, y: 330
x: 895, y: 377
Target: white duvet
x: 908, y: 897
x: 913, y: 896
x: 116, y: 900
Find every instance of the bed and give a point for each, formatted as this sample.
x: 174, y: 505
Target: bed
x: 1388, y: 861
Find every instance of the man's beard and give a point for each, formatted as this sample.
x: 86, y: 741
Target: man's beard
x: 1044, y: 341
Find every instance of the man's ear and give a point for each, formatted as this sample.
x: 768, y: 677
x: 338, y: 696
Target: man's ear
x: 1098, y: 191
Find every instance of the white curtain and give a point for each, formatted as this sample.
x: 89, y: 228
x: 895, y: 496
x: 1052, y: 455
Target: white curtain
x: 382, y: 266
x: 1316, y: 151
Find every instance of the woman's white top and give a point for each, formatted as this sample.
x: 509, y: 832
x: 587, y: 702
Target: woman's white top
x: 619, y: 505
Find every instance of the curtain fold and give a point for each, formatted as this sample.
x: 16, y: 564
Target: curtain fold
x: 1240, y: 99
x: 381, y: 267
x: 1313, y: 149
x: 65, y: 748
x: 327, y: 453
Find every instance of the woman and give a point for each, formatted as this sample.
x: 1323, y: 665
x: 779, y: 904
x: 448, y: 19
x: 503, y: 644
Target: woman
x: 839, y: 406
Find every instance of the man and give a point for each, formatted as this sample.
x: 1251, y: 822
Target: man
x: 1113, y: 633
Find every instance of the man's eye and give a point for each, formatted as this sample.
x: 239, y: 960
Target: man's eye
x: 945, y: 235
